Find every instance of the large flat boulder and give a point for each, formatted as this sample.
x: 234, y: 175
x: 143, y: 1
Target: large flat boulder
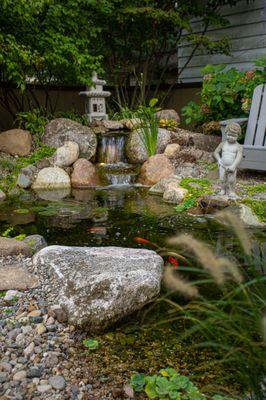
x: 136, y: 152
x: 97, y: 286
x: 61, y: 130
x: 13, y: 247
x: 16, y: 142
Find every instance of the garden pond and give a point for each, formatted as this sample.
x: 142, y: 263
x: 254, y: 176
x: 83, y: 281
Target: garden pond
x: 110, y: 216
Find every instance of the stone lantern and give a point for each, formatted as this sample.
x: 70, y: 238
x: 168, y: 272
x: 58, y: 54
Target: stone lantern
x: 95, y: 106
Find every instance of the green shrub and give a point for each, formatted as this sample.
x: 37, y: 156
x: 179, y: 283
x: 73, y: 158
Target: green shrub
x: 224, y: 94
x: 33, y: 121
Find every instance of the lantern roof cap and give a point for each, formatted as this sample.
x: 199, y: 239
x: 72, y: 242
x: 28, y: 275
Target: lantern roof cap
x: 95, y: 93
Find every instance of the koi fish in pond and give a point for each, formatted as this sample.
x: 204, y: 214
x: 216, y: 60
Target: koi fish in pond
x: 97, y: 230
x: 170, y: 260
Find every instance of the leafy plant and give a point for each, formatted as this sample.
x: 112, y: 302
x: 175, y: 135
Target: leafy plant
x: 225, y: 94
x: 73, y: 115
x: 91, y: 344
x: 196, y: 188
x: 33, y: 121
x: 148, y: 130
x: 169, y: 385
x: 41, y: 152
x: 9, y: 233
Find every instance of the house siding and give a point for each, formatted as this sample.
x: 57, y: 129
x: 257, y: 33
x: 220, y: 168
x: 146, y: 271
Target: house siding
x: 247, y: 31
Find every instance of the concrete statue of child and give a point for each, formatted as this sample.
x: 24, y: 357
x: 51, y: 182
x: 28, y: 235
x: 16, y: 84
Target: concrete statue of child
x: 229, y: 153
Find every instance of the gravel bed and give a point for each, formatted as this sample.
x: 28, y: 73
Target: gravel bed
x: 37, y: 352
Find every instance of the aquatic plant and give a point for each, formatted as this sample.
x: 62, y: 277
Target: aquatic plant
x: 168, y: 385
x: 227, y: 308
x: 148, y: 130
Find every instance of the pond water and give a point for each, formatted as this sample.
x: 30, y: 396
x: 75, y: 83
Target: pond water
x: 107, y: 216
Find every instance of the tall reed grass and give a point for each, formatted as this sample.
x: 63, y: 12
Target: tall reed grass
x: 227, y: 307
x: 148, y: 130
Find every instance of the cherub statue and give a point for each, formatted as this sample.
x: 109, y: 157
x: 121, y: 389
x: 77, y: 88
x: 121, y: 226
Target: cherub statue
x: 229, y: 153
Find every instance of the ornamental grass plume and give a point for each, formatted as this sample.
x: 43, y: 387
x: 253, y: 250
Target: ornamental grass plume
x: 231, y: 268
x: 230, y: 319
x: 176, y: 283
x: 204, y: 255
x: 240, y: 232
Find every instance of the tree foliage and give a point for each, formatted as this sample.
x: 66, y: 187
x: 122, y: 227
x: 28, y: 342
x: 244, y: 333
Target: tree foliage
x: 63, y: 41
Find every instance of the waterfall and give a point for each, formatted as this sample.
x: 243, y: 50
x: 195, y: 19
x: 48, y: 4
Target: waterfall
x: 111, y: 149
x: 111, y: 157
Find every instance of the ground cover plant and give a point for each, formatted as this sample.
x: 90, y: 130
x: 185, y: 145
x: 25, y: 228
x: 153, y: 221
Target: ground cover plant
x: 169, y: 385
x: 14, y: 167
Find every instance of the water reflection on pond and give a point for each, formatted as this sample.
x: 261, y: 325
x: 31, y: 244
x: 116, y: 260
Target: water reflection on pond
x: 112, y: 216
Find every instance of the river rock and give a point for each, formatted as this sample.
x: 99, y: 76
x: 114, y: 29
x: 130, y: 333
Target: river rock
x: 51, y: 178
x: 84, y: 174
x: 61, y: 130
x: 168, y: 114
x: 136, y: 152
x: 132, y: 123
x: 16, y: 142
x: 246, y: 215
x: 36, y: 242
x: 66, y: 155
x: 15, y: 277
x: 213, y: 203
x: 161, y: 186
x: 154, y: 169
x: 12, y: 247
x: 26, y: 176
x: 113, y: 125
x: 57, y: 382
x: 174, y: 194
x: 172, y: 150
x: 97, y: 286
x: 2, y: 195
